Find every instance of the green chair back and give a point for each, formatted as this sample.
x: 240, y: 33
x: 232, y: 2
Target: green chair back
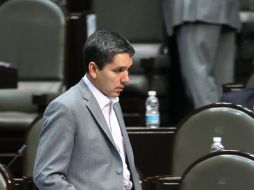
x: 229, y: 170
x: 194, y: 135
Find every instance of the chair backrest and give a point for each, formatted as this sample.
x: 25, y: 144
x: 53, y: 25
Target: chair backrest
x: 193, y: 138
x: 229, y: 170
x: 139, y: 20
x: 6, y: 179
x: 245, y: 5
x: 31, y: 140
x: 32, y: 40
x: 250, y: 81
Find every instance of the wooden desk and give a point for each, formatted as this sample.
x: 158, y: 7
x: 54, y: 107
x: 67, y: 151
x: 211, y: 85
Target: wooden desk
x: 152, y: 148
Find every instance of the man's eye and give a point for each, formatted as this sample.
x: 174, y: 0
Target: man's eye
x: 118, y: 70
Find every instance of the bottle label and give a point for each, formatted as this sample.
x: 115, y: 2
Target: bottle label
x: 217, y: 147
x: 152, y: 119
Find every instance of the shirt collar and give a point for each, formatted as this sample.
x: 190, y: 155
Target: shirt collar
x: 100, y: 97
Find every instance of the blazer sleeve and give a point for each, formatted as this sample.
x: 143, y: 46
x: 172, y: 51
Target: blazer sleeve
x: 55, y: 148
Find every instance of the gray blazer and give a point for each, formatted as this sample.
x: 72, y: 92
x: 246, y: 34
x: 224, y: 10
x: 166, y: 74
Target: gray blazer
x: 76, y: 149
x: 224, y: 12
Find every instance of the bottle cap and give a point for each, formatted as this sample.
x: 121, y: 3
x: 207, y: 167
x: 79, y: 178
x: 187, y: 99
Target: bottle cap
x: 216, y: 139
x: 152, y: 93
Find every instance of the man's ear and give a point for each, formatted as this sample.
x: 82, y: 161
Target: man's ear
x: 92, y: 67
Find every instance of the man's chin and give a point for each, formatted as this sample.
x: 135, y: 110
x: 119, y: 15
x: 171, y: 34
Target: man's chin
x: 116, y: 94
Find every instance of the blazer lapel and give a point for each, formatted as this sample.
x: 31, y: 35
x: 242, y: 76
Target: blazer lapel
x: 94, y: 107
x: 127, y: 146
x: 126, y: 140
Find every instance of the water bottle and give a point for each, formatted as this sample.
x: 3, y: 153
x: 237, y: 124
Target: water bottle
x: 152, y: 110
x: 217, y: 145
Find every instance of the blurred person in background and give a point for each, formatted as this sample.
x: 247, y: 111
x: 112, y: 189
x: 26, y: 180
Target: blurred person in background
x: 205, y: 32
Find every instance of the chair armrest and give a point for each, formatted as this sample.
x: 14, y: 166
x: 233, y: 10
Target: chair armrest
x: 230, y: 87
x: 164, y: 182
x: 148, y: 65
x: 25, y: 183
x: 8, y: 77
x: 42, y: 100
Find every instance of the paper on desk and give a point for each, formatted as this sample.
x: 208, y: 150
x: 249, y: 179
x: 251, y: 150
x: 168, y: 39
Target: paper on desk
x: 4, y: 64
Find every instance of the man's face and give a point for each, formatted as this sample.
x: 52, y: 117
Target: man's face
x: 113, y: 77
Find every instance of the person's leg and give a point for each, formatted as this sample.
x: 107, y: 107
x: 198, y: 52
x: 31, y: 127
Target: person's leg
x: 197, y: 46
x: 225, y: 60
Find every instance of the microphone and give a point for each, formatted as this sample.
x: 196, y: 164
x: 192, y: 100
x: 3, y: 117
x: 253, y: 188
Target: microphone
x: 20, y: 152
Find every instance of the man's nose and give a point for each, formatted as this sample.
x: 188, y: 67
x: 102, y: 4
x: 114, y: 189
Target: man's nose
x: 125, y: 78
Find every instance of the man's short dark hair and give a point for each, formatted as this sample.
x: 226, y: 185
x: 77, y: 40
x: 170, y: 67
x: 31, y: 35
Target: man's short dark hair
x: 102, y: 46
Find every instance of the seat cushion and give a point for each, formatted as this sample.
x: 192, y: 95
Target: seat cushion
x: 20, y: 99
x: 16, y: 121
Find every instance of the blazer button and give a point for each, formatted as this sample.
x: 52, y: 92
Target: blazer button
x: 119, y: 171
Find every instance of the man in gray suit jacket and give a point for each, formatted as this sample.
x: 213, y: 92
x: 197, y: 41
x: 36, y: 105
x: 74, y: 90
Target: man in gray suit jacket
x: 83, y: 143
x: 205, y: 35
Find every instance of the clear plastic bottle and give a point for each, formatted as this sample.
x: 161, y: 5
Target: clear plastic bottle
x: 152, y: 110
x: 217, y: 145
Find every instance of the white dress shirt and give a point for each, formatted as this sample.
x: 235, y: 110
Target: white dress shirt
x: 106, y: 105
